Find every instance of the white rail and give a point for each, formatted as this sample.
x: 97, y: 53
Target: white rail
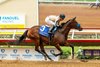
x: 85, y: 34
x: 74, y: 34
x: 10, y: 33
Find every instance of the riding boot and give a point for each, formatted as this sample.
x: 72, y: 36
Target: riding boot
x: 50, y: 33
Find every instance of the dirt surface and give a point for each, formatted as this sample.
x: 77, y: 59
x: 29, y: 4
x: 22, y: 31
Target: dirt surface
x: 67, y: 63
x: 86, y: 16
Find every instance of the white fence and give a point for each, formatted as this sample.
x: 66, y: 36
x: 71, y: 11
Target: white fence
x: 91, y: 34
x: 10, y: 34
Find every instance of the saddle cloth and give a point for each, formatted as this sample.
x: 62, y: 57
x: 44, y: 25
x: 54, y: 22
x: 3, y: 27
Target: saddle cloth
x: 43, y: 30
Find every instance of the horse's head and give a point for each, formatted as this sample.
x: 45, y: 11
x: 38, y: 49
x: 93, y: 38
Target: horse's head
x: 73, y: 24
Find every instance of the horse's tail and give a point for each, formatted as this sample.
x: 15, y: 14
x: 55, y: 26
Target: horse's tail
x: 24, y: 35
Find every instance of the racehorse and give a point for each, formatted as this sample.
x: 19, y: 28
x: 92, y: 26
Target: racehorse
x: 59, y: 38
x: 95, y: 4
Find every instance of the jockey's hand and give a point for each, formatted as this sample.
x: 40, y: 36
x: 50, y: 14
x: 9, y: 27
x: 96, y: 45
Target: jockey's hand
x: 57, y: 25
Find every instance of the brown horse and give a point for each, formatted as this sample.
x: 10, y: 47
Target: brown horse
x: 59, y: 38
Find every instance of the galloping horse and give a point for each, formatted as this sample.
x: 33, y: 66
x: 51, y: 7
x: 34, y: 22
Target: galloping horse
x: 59, y: 38
x: 94, y: 4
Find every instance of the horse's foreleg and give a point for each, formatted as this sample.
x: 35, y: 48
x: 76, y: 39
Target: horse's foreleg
x: 72, y: 50
x: 58, y: 47
x: 72, y: 46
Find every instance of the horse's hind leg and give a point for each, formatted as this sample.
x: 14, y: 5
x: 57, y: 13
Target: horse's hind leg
x: 72, y: 46
x: 42, y: 50
x: 37, y: 48
x: 72, y: 50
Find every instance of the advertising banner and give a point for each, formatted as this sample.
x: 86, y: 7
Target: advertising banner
x: 12, y: 21
x: 28, y: 54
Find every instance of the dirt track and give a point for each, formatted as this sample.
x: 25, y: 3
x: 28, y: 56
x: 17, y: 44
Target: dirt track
x: 67, y: 63
x: 86, y: 16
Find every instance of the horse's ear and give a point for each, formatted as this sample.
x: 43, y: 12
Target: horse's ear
x: 74, y: 18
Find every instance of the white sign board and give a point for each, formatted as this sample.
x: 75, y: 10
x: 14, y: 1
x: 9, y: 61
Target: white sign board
x: 11, y: 21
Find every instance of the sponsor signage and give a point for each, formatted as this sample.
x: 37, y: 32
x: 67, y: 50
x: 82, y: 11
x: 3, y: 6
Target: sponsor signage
x: 3, y: 53
x: 25, y: 54
x: 91, y: 52
x: 14, y: 54
x: 12, y: 21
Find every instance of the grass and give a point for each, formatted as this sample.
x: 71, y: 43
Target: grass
x: 65, y: 49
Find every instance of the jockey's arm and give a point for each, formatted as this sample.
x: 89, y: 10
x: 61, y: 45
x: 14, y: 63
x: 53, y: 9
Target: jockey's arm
x: 50, y: 21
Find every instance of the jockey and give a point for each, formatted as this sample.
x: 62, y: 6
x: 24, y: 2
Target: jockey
x: 54, y: 22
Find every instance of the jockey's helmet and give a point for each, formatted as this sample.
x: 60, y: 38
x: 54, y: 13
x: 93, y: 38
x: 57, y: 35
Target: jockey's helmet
x: 62, y: 16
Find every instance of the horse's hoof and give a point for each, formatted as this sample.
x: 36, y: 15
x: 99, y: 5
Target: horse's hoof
x: 55, y: 55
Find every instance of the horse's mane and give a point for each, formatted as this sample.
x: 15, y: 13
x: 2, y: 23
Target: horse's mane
x: 62, y: 24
